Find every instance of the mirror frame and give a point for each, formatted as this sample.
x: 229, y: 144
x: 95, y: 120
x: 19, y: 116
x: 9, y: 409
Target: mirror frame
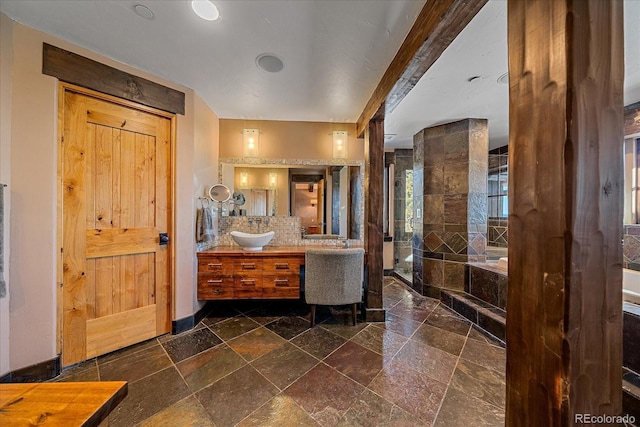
x: 222, y: 186
x: 293, y: 163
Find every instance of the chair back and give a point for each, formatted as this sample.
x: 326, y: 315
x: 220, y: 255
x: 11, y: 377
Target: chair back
x: 334, y: 276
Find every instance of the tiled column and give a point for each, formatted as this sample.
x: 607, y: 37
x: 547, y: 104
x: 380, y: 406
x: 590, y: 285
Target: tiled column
x: 450, y: 203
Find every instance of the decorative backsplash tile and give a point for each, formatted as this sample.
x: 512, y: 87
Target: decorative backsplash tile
x: 288, y: 231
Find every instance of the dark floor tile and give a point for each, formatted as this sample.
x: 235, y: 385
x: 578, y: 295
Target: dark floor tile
x: 189, y: 344
x: 187, y: 412
x: 356, y: 362
x: 85, y: 371
x: 256, y: 343
x: 284, y: 365
x: 235, y: 396
x: 480, y: 382
x: 318, y: 342
x: 416, y: 393
x: 279, y: 411
x: 460, y: 409
x: 231, y: 328
x: 135, y: 366
x: 398, y: 290
x: 446, y: 319
x: 400, y: 325
x: 128, y: 350
x: 289, y: 327
x: 486, y: 355
x: 428, y: 360
x: 439, y: 338
x: 414, y: 308
x: 373, y: 410
x: 324, y: 393
x: 476, y: 334
x: 149, y: 396
x: 346, y: 331
x: 380, y: 340
x: 209, y: 366
x: 220, y: 312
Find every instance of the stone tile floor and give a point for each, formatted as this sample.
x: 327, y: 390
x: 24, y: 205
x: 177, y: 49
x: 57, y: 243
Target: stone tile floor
x: 259, y: 364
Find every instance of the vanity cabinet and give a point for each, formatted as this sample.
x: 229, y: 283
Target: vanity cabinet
x: 224, y: 275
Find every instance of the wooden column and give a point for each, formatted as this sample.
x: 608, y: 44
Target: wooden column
x: 564, y: 312
x: 373, y: 205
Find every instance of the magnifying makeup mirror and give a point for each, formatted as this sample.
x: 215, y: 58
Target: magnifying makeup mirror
x: 219, y: 193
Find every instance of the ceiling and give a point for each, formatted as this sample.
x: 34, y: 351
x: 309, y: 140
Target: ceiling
x: 334, y: 54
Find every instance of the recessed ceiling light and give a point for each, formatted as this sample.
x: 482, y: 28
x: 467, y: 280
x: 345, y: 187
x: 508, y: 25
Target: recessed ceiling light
x: 504, y: 79
x: 205, y: 9
x: 143, y: 11
x: 269, y: 62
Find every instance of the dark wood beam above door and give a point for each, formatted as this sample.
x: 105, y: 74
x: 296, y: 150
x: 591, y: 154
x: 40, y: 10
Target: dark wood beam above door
x: 437, y: 25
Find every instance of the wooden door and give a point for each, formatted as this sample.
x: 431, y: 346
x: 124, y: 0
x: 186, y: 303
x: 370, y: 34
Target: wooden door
x: 115, y: 166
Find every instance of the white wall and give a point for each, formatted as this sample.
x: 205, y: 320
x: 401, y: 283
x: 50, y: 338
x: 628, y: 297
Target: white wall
x: 6, y: 60
x: 33, y: 122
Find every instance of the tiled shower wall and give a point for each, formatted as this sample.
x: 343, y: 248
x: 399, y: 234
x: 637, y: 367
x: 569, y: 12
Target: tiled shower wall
x: 450, y: 189
x: 497, y: 232
x: 631, y: 250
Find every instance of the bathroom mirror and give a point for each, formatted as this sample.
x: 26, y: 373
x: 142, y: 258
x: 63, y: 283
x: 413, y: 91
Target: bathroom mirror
x: 219, y: 193
x: 339, y: 212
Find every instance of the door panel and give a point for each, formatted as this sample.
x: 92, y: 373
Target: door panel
x: 116, y: 163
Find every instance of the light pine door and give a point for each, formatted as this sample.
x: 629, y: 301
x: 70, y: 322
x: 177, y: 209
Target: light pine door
x: 116, y: 201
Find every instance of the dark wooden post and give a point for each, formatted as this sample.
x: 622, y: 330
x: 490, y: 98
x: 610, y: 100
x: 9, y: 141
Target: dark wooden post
x: 373, y: 206
x: 564, y: 312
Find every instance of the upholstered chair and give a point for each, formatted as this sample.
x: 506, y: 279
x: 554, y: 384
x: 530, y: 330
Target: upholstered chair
x: 333, y: 277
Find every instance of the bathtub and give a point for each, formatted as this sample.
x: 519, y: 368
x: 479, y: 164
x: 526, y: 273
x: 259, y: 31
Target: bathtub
x: 631, y: 286
x: 630, y: 283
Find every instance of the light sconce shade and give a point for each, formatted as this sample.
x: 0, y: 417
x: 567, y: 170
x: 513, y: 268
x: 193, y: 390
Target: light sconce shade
x: 340, y: 144
x: 244, y: 179
x: 314, y: 202
x: 250, y: 142
x: 273, y: 179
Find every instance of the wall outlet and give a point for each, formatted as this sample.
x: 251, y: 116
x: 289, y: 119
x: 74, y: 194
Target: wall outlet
x: 418, y: 213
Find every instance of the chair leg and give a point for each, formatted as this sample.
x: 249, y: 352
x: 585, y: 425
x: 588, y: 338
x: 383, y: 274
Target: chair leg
x: 353, y: 313
x: 313, y: 315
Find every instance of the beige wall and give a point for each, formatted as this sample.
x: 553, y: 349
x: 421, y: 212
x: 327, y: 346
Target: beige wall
x: 6, y: 59
x: 32, y: 307
x: 288, y: 140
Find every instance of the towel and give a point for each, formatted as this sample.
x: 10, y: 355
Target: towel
x: 207, y: 220
x: 204, y: 225
x: 3, y: 284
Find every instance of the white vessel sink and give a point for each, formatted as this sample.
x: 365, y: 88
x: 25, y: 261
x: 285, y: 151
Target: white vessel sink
x: 250, y: 241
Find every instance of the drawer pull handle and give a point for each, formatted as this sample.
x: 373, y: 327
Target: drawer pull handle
x: 281, y: 282
x: 248, y: 265
x: 214, y: 281
x: 282, y: 265
x: 211, y: 264
x: 253, y: 281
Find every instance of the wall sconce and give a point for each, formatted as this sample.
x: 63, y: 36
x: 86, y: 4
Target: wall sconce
x: 273, y: 179
x: 314, y: 202
x: 340, y: 146
x: 250, y: 142
x: 244, y: 179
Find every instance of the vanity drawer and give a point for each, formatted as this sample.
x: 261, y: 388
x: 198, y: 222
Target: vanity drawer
x: 247, y: 285
x: 282, y: 265
x: 220, y: 265
x: 248, y: 265
x: 286, y: 286
x: 215, y: 286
